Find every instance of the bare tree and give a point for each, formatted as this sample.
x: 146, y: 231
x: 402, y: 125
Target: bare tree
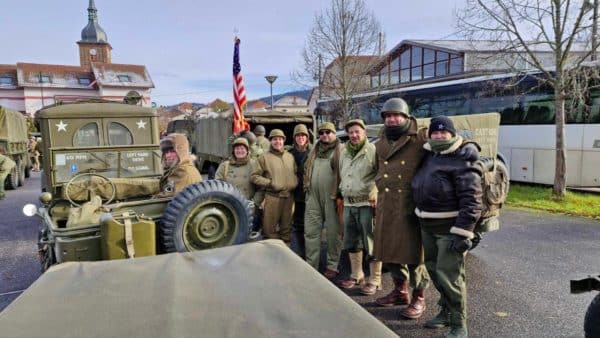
x: 346, y: 37
x: 521, y: 28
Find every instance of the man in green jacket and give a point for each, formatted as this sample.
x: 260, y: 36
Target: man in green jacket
x: 276, y: 175
x: 320, y: 184
x: 358, y: 167
x: 6, y: 165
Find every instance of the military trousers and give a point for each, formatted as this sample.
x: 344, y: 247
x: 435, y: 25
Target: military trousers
x: 298, y: 227
x: 358, y: 229
x: 277, y: 218
x: 416, y: 274
x: 447, y: 270
x: 321, y: 214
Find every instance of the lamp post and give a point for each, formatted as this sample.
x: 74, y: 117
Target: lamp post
x: 271, y: 79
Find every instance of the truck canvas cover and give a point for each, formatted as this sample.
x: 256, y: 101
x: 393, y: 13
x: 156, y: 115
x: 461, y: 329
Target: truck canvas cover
x: 259, y: 289
x: 13, y: 126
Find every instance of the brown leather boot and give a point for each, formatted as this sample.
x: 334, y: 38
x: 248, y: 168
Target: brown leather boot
x: 417, y: 305
x: 357, y: 277
x: 398, y: 296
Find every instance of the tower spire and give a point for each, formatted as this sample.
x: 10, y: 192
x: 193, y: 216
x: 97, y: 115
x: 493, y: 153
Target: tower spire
x: 92, y: 12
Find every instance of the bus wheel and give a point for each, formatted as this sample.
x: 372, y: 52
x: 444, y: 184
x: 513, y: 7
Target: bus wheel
x: 205, y: 215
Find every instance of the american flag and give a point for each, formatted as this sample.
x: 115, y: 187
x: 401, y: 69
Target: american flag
x: 239, y: 92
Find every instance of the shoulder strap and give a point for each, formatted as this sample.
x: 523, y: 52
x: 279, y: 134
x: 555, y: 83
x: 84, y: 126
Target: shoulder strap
x: 128, y: 235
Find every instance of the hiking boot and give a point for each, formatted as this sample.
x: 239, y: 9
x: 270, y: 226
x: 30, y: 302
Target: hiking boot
x: 330, y: 274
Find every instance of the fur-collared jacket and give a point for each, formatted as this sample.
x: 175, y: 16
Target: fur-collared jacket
x: 447, y: 191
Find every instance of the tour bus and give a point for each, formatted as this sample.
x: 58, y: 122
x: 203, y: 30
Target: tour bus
x: 527, y: 131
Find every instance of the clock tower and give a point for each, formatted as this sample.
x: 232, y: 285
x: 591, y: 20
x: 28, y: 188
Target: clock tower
x: 93, y: 46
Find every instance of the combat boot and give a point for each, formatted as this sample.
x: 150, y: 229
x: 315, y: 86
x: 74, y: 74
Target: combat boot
x: 439, y: 321
x: 398, y: 296
x: 458, y: 332
x: 374, y: 282
x: 458, y: 325
x: 357, y: 276
x: 417, y: 305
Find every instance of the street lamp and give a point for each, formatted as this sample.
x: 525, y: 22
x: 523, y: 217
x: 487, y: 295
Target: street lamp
x: 271, y: 79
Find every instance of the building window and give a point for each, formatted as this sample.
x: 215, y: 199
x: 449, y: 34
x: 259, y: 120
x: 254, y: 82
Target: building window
x: 385, y: 76
x: 395, y: 71
x: 6, y: 80
x: 84, y: 81
x: 124, y: 78
x: 45, y: 79
x: 375, y: 81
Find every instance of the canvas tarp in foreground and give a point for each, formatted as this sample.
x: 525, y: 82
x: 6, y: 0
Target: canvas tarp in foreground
x: 259, y: 289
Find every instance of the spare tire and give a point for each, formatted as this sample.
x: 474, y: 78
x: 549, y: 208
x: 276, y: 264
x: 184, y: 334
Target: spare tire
x: 205, y: 215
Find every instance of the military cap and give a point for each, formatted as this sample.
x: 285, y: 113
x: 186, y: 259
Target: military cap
x: 355, y: 122
x: 440, y: 123
x: 327, y: 126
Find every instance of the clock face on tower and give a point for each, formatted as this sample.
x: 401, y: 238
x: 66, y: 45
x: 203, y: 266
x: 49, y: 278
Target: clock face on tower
x: 93, y: 51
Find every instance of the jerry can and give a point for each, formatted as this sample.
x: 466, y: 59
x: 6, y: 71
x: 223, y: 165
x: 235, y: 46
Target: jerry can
x: 126, y: 235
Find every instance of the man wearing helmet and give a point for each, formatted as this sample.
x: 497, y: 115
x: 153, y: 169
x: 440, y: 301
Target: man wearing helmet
x: 178, y: 167
x: 276, y: 175
x: 397, y: 240
x: 261, y: 140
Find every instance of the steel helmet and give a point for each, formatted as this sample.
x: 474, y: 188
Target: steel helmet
x: 396, y: 105
x: 260, y: 130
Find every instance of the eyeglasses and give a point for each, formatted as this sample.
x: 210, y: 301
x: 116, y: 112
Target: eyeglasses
x: 325, y: 132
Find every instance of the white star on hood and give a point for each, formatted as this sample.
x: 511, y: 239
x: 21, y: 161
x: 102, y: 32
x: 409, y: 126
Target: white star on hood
x: 141, y: 124
x: 61, y: 126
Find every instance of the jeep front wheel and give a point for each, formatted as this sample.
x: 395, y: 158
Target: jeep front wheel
x: 205, y: 215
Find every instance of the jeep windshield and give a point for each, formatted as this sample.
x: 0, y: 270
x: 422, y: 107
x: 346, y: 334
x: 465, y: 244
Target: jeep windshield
x: 125, y: 161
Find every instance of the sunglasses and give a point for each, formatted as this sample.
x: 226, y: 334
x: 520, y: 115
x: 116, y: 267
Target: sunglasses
x: 325, y: 132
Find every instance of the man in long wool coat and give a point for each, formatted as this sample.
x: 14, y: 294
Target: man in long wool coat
x: 397, y: 240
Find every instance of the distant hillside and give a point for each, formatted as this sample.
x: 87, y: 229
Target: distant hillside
x: 301, y: 93
x: 194, y: 106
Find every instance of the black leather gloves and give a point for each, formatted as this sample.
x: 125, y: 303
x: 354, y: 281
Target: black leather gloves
x: 460, y: 244
x: 475, y: 240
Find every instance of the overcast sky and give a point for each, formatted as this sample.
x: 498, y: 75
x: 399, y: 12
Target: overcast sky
x: 187, y: 45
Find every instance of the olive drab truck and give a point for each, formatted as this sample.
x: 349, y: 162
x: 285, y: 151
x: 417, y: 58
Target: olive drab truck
x: 211, y: 134
x: 13, y: 143
x: 101, y: 173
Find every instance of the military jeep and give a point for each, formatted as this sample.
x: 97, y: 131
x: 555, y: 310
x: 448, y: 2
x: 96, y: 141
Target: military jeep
x: 100, y: 175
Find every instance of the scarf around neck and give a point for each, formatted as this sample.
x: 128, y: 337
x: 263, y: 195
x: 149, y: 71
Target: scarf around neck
x: 393, y: 133
x: 437, y: 146
x: 354, y: 149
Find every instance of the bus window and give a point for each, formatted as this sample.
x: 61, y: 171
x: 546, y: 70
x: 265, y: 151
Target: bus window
x: 118, y: 134
x: 87, y: 136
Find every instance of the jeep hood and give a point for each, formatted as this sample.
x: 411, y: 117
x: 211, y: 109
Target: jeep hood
x: 259, y: 289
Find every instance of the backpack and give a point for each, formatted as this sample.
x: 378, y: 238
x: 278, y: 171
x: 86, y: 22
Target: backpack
x: 495, y: 185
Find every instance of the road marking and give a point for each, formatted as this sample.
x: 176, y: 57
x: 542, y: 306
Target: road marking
x: 11, y: 292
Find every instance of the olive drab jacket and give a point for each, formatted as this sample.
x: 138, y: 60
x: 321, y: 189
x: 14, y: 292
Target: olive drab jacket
x: 183, y: 173
x: 276, y: 173
x: 238, y: 173
x: 357, y: 176
x: 397, y: 233
x: 264, y: 143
